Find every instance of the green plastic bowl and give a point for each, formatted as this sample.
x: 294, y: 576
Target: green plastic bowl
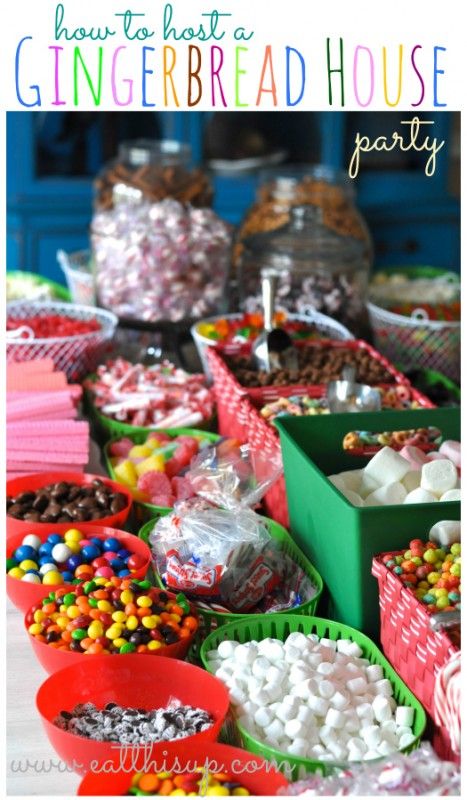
x: 59, y: 292
x: 214, y: 619
x: 147, y: 510
x: 260, y: 626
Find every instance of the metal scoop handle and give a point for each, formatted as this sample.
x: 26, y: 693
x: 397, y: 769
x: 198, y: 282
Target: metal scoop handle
x: 269, y: 288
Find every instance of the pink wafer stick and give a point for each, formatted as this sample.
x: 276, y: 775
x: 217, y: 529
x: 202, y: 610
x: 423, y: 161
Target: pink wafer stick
x: 45, y: 428
x: 48, y: 455
x: 32, y: 466
x: 37, y: 382
x: 72, y: 445
x: 37, y: 365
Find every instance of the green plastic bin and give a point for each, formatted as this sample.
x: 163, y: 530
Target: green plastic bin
x: 147, y: 511
x: 58, y: 291
x: 213, y: 619
x: 339, y: 538
x: 278, y: 626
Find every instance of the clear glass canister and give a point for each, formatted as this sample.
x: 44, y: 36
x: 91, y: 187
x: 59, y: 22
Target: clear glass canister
x: 152, y: 170
x: 319, y: 268
x: 160, y: 262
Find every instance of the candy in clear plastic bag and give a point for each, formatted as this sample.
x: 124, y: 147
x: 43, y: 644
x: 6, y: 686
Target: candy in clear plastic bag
x: 419, y: 773
x: 216, y: 553
x: 232, y: 476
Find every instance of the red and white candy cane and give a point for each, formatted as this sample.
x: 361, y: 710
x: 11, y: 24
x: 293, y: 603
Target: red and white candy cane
x: 447, y: 699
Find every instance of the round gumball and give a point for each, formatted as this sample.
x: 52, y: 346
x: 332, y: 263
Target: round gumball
x: 54, y: 538
x: 61, y: 553
x: 111, y: 544
x: 32, y: 541
x: 24, y: 552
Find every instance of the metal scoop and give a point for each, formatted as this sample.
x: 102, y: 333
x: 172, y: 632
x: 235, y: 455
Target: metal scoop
x: 347, y: 396
x: 273, y: 349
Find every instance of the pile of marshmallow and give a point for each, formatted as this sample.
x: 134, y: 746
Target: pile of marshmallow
x: 313, y: 698
x: 409, y: 475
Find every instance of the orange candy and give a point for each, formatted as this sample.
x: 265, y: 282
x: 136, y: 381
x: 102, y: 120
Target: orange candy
x: 149, y: 783
x: 166, y: 787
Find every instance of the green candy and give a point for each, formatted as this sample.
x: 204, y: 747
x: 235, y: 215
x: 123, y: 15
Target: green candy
x: 183, y: 603
x: 68, y: 599
x: 51, y: 598
x: 128, y: 647
x: 145, y: 584
x: 93, y: 602
x: 79, y: 633
x: 10, y: 563
x: 89, y: 587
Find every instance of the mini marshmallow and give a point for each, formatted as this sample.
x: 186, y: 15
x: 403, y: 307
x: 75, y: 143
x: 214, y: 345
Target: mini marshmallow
x: 247, y: 723
x: 273, y: 691
x: 414, y: 456
x: 438, y: 477
x: 389, y: 495
x: 370, y: 755
x: 298, y: 748
x: 222, y: 675
x: 382, y: 708
x: 352, y: 497
x: 290, y: 700
x: 326, y: 689
x: 357, y: 744
x: 274, y: 650
x: 365, y: 710
x: 319, y: 705
x: 295, y: 729
x: 404, y: 716
x: 332, y: 643
x: 385, y: 748
x: 237, y: 696
x: 389, y: 725
x: 387, y: 467
x: 339, y: 752
x: 292, y: 654
x: 275, y: 730
x: 406, y: 740
x: 327, y: 734
x: 451, y: 495
x: 260, y: 667
x: 245, y: 654
x: 275, y: 674
x: 403, y: 730
x: 325, y: 668
x: 354, y: 650
x: 264, y: 717
x: 450, y: 449
x: 260, y: 697
x: 352, y: 722
x: 314, y: 659
x: 420, y: 496
x: 227, y: 649
x: 316, y: 751
x: 445, y: 532
x: 250, y: 708
x: 411, y: 481
x: 340, y: 700
x: 371, y: 735
x: 327, y: 653
x: 298, y: 674
x: 384, y: 687
x: 335, y: 718
x: 254, y: 685
x: 374, y: 673
x: 356, y: 685
x: 305, y: 715
x: 305, y: 688
x: 297, y: 639
x: 286, y: 712
x: 343, y: 645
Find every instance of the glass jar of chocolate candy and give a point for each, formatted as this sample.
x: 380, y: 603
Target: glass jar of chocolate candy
x: 152, y: 170
x: 305, y: 225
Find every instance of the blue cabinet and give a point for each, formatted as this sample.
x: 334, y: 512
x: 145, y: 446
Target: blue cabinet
x: 52, y: 158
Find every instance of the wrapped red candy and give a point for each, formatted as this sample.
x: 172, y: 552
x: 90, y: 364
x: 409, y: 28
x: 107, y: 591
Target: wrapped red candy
x: 161, y: 396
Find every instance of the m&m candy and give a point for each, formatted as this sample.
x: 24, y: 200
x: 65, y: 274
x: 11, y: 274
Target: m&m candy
x: 198, y: 783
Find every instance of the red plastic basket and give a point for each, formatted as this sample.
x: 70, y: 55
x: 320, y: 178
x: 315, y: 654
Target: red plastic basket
x: 229, y: 391
x: 415, y: 651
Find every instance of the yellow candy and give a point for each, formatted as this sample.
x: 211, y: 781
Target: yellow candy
x: 126, y: 596
x: 62, y: 622
x: 155, y: 463
x: 95, y: 629
x: 52, y: 578
x: 16, y: 572
x: 114, y: 632
x: 100, y: 581
x: 126, y: 473
x: 153, y: 644
x: 218, y: 790
x: 28, y: 564
x: 139, y: 451
x: 35, y: 628
x: 433, y: 577
x: 73, y: 612
x: 132, y: 622
x: 151, y: 621
x: 240, y: 791
x: 39, y: 615
x: 143, y: 602
x: 118, y: 616
x: 104, y: 605
x: 177, y: 793
x: 176, y: 617
x: 119, y: 642
x: 73, y: 535
x: 163, y: 775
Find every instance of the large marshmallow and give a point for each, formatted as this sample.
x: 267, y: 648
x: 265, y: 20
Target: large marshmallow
x: 414, y: 456
x: 352, y: 497
x: 452, y: 450
x: 411, y: 481
x: 438, y: 477
x: 387, y: 466
x: 404, y: 716
x: 389, y: 495
x: 367, y: 485
x: 445, y: 532
x: 351, y: 478
x: 451, y: 495
x: 420, y: 496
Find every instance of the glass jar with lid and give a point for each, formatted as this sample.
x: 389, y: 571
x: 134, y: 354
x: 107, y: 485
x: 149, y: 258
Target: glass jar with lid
x: 152, y: 170
x: 306, y: 227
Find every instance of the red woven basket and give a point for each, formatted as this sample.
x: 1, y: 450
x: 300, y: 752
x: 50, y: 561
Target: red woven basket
x: 415, y: 651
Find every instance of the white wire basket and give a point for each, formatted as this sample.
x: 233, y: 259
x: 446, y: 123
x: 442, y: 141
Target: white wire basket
x: 417, y: 341
x: 326, y: 327
x: 75, y: 355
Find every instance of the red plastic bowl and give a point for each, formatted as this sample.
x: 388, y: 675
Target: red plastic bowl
x: 131, y: 682
x: 24, y: 595
x: 53, y: 660
x: 254, y: 773
x: 39, y: 479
